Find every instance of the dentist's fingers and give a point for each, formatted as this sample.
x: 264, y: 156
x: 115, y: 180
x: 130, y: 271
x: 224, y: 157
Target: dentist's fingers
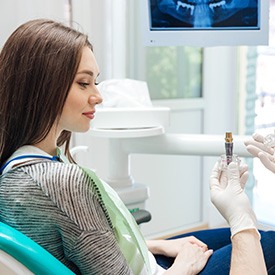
x: 255, y: 145
x: 214, y: 177
x: 254, y: 150
x: 243, y: 167
x: 268, y: 161
x: 258, y: 137
x: 233, y: 173
x: 243, y: 179
x: 243, y: 170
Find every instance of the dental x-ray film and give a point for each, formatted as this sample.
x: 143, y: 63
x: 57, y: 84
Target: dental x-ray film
x: 204, y: 14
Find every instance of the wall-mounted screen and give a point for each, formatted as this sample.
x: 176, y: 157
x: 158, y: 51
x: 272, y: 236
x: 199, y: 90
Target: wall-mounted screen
x: 205, y: 22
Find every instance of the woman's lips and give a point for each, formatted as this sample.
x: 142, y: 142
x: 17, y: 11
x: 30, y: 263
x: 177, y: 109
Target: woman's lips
x: 89, y: 115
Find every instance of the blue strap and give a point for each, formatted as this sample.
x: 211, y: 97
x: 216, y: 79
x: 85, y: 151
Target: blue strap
x: 54, y: 158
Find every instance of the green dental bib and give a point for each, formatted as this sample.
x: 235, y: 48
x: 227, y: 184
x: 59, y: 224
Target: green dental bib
x: 128, y: 235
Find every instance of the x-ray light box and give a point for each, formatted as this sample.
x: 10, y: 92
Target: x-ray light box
x: 205, y: 23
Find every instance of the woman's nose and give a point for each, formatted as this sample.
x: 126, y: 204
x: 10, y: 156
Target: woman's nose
x: 95, y: 99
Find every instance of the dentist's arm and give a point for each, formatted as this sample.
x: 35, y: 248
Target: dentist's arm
x: 227, y: 194
x: 247, y: 256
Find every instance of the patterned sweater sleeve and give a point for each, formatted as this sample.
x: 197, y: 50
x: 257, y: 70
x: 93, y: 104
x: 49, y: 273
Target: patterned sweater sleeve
x: 87, y: 237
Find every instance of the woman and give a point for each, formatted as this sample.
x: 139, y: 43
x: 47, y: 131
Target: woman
x: 48, y: 76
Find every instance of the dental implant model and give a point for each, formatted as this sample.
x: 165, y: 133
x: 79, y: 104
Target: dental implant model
x: 228, y: 147
x: 228, y: 157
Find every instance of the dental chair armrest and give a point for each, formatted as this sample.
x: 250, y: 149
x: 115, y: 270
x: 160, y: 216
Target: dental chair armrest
x: 141, y: 216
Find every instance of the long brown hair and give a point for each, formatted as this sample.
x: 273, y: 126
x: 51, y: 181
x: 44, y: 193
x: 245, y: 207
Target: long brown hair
x: 38, y: 64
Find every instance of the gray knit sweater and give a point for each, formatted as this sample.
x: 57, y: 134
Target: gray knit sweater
x: 58, y: 206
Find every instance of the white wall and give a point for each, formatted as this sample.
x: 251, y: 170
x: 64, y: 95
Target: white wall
x: 105, y: 29
x: 15, y: 12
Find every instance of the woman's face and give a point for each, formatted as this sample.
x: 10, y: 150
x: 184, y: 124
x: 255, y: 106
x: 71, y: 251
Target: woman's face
x: 83, y: 96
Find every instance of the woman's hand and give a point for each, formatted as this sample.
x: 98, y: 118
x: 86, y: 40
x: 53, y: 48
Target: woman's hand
x: 190, y: 260
x: 190, y: 254
x: 171, y: 248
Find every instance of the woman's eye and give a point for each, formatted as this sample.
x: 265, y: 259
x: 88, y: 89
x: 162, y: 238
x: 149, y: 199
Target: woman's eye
x: 83, y: 84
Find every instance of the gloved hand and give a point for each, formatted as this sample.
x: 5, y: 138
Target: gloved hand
x: 257, y: 148
x: 227, y: 194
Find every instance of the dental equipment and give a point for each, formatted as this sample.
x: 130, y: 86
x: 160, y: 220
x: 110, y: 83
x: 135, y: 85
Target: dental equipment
x: 123, y: 143
x: 228, y: 147
x: 228, y: 157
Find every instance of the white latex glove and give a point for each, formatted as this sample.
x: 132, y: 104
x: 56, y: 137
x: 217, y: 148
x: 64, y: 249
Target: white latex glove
x: 227, y: 194
x: 257, y: 148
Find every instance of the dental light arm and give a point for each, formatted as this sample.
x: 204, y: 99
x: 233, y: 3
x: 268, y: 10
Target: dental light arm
x: 184, y: 144
x: 164, y: 144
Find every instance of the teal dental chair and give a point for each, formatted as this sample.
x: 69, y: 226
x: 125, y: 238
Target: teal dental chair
x: 19, y: 255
